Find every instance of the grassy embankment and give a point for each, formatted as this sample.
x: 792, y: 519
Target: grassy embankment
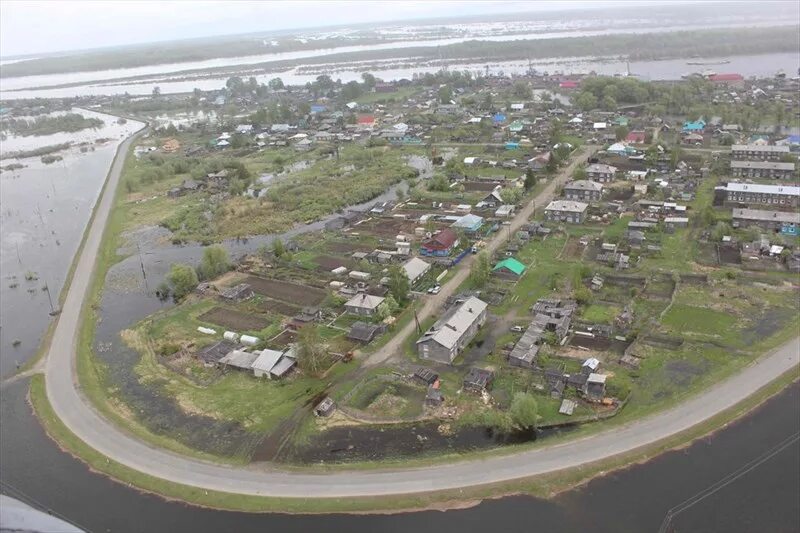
x: 542, y: 486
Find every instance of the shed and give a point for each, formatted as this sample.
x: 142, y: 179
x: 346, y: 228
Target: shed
x: 325, y: 408
x: 478, y: 380
x: 239, y: 359
x: 215, y: 351
x: 425, y: 375
x: 265, y: 362
x: 364, y: 332
x: 415, y: 268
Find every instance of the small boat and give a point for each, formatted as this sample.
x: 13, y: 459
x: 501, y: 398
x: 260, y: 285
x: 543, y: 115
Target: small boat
x: 706, y: 63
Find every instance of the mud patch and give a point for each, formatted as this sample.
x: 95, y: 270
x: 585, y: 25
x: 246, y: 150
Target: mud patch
x: 287, y: 292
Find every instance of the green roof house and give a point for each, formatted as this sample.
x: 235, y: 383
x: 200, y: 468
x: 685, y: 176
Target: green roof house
x: 509, y: 267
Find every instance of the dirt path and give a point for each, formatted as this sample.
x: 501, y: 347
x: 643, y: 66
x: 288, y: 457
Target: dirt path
x: 431, y: 304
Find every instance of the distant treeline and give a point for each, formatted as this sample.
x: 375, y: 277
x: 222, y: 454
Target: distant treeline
x: 642, y: 46
x: 47, y: 125
x: 44, y: 150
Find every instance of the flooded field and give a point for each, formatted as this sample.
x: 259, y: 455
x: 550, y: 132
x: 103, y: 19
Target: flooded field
x: 351, y: 444
x: 45, y: 210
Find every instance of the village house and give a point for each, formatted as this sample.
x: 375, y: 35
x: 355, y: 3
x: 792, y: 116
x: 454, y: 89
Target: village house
x: 363, y: 304
x: 762, y: 169
x: 453, y: 331
x: 584, y: 190
x: 759, y: 194
x: 566, y: 211
x: 509, y: 268
x: 440, y: 244
x: 364, y: 332
x: 601, y: 173
x: 469, y: 223
x: 732, y: 80
x: 595, y: 388
x: 785, y: 222
x: 415, y: 268
x: 758, y: 152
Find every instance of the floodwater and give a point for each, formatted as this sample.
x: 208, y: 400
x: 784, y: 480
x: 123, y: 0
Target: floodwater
x: 633, y: 500
x: 764, y: 65
x: 45, y: 209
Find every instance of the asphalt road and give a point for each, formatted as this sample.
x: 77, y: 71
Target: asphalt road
x: 79, y: 416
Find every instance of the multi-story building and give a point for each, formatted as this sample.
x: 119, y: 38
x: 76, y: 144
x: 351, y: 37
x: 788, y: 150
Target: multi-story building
x: 600, y: 172
x: 760, y: 194
x: 786, y: 222
x: 566, y: 211
x: 757, y: 152
x: 451, y: 333
x: 584, y: 190
x: 762, y: 169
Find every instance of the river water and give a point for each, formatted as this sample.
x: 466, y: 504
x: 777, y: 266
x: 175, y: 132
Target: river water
x: 632, y: 500
x: 45, y: 209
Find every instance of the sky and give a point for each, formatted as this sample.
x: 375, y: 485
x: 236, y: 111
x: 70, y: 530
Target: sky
x: 37, y: 27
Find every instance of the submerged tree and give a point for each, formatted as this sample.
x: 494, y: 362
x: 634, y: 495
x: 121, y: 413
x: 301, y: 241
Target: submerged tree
x: 215, y: 262
x: 524, y: 411
x: 182, y: 279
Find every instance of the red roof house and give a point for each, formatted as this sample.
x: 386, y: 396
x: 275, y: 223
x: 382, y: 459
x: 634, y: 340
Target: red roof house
x: 727, y: 79
x: 568, y: 84
x: 365, y: 120
x: 440, y: 244
x: 636, y: 137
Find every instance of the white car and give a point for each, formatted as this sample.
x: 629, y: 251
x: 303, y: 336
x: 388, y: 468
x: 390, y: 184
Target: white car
x: 434, y: 290
x: 517, y: 329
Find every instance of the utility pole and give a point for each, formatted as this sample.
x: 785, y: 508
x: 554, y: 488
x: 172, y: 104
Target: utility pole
x: 141, y: 263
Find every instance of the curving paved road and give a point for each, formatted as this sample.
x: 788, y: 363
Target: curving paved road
x: 78, y: 415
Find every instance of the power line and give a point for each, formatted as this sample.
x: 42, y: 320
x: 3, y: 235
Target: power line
x: 727, y: 480
x: 33, y: 502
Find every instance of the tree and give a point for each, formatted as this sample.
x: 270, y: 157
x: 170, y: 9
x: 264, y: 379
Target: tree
x: 720, y: 230
x: 445, y: 94
x: 369, y: 80
x: 235, y: 84
x: 481, y: 270
x: 521, y: 89
x: 511, y: 195
x: 391, y: 304
x: 215, y: 262
x: 275, y: 84
x: 579, y: 173
x: 609, y: 103
x: 311, y: 352
x: 524, y: 411
x: 530, y: 179
x: 621, y: 132
x: 586, y: 101
x: 398, y: 284
x: 278, y: 249
x: 182, y: 280
x: 351, y: 91
x: 156, y: 90
x: 582, y: 295
x: 438, y: 183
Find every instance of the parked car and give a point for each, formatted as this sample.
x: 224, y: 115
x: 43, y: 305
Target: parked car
x: 517, y: 329
x: 434, y: 290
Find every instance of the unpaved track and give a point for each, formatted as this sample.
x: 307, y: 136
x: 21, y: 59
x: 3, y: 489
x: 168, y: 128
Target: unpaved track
x: 80, y: 417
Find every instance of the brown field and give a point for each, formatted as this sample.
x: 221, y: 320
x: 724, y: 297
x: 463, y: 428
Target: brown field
x: 328, y: 263
x: 386, y: 227
x: 287, y: 292
x: 572, y: 249
x: 347, y: 248
x: 235, y: 320
x: 276, y: 306
x: 479, y: 186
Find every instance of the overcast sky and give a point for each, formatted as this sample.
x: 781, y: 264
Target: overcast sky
x: 34, y: 27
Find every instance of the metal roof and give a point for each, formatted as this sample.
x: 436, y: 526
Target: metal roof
x: 415, y: 267
x: 451, y: 327
x: 566, y: 205
x: 763, y: 165
x: 763, y: 215
x: 584, y: 185
x: 759, y: 188
x: 364, y: 301
x: 267, y: 360
x: 511, y: 264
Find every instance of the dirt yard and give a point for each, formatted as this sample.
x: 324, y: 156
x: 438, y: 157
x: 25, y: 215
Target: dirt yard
x: 287, y: 292
x: 235, y: 320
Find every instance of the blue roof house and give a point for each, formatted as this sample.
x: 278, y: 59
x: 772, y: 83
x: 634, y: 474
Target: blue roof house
x: 498, y: 118
x: 694, y: 126
x: 469, y: 223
